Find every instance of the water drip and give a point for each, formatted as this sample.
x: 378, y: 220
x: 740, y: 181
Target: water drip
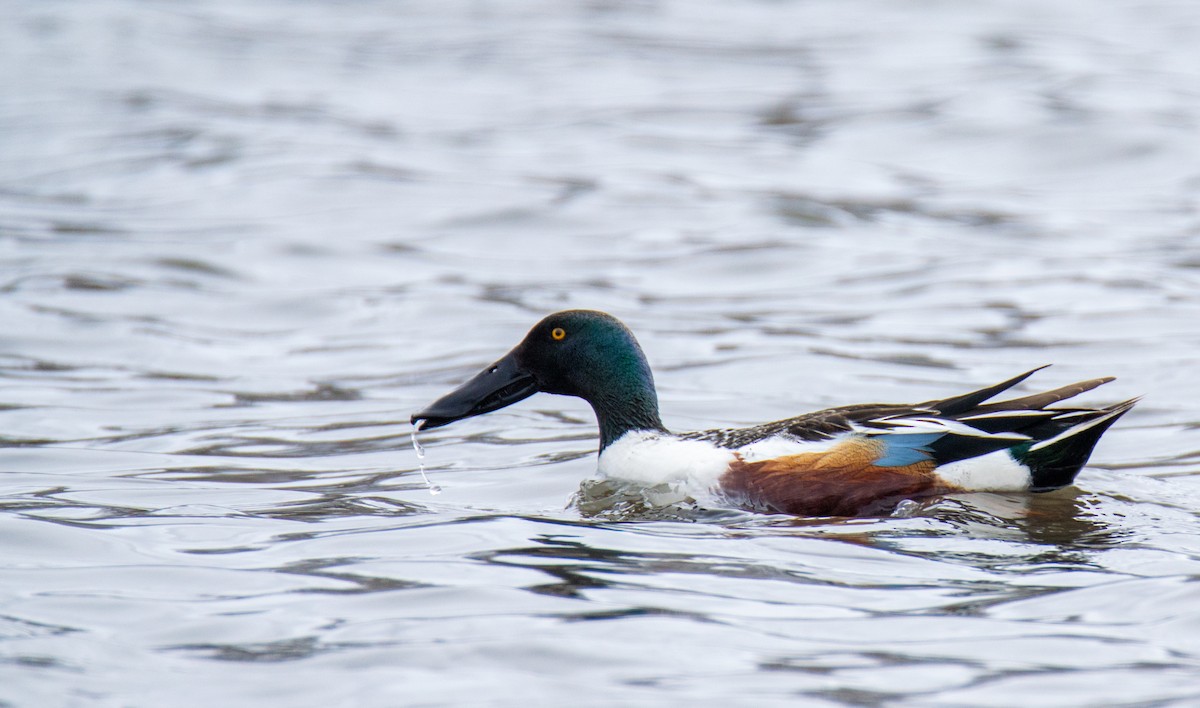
x: 433, y: 488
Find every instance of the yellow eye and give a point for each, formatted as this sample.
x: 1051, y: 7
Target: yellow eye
x: 558, y: 333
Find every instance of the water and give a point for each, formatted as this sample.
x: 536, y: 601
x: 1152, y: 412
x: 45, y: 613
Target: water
x: 242, y: 243
x: 433, y: 488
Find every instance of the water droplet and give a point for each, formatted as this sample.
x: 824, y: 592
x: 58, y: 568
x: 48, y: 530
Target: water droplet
x: 434, y: 489
x: 416, y: 445
x: 907, y: 508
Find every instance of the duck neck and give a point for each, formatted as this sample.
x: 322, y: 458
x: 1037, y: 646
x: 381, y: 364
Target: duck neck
x: 616, y: 380
x: 620, y: 412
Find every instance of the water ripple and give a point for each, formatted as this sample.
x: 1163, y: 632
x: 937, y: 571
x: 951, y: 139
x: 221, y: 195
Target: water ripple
x: 243, y: 243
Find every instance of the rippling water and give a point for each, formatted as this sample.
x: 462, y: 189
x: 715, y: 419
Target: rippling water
x: 241, y: 243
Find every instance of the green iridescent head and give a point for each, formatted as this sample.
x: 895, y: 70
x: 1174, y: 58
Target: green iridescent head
x: 581, y: 353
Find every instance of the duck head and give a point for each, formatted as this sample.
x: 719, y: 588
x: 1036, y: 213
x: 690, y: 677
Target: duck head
x: 581, y: 353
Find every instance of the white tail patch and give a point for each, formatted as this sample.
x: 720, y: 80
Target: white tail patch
x: 993, y: 472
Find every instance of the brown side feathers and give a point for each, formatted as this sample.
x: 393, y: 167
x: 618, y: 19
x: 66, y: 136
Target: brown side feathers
x: 840, y: 482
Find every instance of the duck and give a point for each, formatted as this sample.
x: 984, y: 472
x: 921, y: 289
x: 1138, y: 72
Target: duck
x: 853, y: 460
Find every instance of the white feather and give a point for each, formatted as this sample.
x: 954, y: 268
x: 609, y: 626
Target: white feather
x: 1073, y: 414
x: 781, y: 445
x: 904, y: 426
x: 1074, y: 430
x: 1008, y: 414
x: 650, y: 459
x: 993, y: 472
x: 692, y: 466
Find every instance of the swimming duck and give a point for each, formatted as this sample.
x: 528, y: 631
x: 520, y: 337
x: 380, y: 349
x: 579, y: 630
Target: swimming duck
x: 847, y: 461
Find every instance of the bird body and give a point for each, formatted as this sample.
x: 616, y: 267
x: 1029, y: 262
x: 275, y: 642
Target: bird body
x: 847, y: 461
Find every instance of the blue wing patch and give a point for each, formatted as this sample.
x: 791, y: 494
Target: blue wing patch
x: 902, y: 450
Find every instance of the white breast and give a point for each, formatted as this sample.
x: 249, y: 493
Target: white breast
x: 649, y: 458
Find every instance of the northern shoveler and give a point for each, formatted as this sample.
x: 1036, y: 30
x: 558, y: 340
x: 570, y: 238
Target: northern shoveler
x: 847, y: 461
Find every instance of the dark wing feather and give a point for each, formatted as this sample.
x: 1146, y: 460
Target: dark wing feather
x: 1029, y: 417
x: 969, y: 401
x: 1039, y: 401
x: 819, y: 425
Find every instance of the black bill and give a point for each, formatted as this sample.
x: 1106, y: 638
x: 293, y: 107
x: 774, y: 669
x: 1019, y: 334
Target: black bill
x: 501, y: 384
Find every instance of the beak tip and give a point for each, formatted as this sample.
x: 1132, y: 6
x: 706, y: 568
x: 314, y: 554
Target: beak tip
x: 425, y: 420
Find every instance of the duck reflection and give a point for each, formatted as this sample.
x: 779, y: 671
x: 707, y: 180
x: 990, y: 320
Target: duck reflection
x: 1067, y: 517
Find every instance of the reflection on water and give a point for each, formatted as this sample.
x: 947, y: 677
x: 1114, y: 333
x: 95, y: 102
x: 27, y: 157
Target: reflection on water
x: 242, y: 243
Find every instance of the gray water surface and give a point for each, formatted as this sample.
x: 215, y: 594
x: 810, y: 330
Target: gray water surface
x: 242, y: 242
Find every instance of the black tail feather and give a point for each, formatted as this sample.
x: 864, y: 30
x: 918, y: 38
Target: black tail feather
x: 1054, y: 462
x: 970, y: 401
x: 1038, y: 401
